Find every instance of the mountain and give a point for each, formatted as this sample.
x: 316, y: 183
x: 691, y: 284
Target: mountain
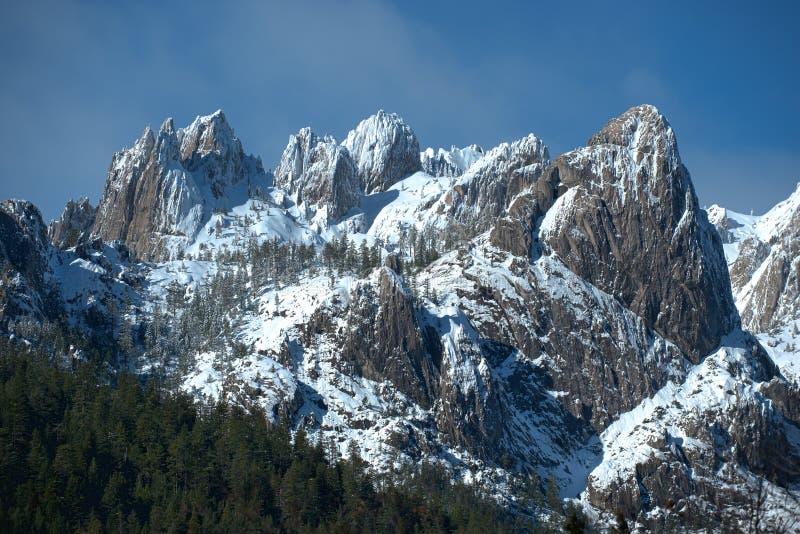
x: 762, y: 254
x: 385, y: 150
x: 318, y: 172
x: 764, y: 262
x: 75, y: 224
x: 24, y: 289
x: 511, y: 317
x: 160, y: 192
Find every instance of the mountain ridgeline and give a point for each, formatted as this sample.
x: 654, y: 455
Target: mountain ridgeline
x: 508, y: 317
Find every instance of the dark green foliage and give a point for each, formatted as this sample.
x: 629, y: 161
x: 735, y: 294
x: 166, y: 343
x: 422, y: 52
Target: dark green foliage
x: 575, y: 521
x: 77, y: 454
x: 553, y: 497
x: 621, y: 526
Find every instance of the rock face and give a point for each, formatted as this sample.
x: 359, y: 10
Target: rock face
x: 385, y: 341
x: 454, y: 162
x: 462, y: 207
x: 24, y: 288
x: 74, y: 225
x: 319, y: 172
x: 629, y: 223
x: 765, y: 264
x: 486, y: 190
x: 602, y: 357
x: 160, y: 192
x: 385, y: 151
x: 704, y: 441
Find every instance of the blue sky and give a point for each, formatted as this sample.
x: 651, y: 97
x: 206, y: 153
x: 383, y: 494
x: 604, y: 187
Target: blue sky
x: 81, y: 80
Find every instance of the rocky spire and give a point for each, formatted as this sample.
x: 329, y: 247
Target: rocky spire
x: 23, y: 263
x: 159, y: 193
x: 318, y: 172
x: 384, y: 149
x: 627, y: 220
x: 74, y: 224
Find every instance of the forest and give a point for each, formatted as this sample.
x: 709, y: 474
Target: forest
x: 81, y: 451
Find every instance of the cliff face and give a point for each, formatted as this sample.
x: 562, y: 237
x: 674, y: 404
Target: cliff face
x: 159, y: 193
x: 486, y: 189
x: 24, y: 287
x: 765, y: 263
x: 319, y: 173
x: 74, y: 225
x: 623, y: 215
x: 384, y: 149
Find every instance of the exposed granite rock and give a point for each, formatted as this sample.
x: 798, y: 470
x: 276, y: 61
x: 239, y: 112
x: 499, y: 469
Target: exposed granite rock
x: 318, y: 172
x: 74, y: 225
x: 25, y: 289
x: 630, y: 224
x: 160, y: 192
x: 515, y: 231
x: 385, y: 342
x: 485, y: 191
x: 752, y: 253
x: 766, y: 272
x: 385, y: 151
x: 705, y: 442
x: 603, y: 357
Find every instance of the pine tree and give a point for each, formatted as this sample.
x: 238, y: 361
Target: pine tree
x: 575, y: 520
x: 621, y: 526
x: 365, y: 258
x: 553, y: 495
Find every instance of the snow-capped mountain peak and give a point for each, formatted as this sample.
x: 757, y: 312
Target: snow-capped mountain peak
x: 385, y: 150
x: 162, y: 191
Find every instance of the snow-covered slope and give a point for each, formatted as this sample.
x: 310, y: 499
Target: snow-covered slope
x: 453, y: 162
x: 764, y: 260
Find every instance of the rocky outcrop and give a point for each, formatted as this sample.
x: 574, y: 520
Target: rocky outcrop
x: 162, y: 191
x: 74, y: 225
x: 629, y: 223
x: 318, y: 172
x: 712, y: 439
x: 486, y: 190
x: 453, y: 162
x: 602, y: 357
x: 765, y: 272
x: 24, y: 272
x: 385, y: 151
x: 515, y: 231
x: 385, y: 342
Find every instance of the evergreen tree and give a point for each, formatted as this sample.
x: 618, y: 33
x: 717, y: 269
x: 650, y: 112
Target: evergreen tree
x: 575, y: 521
x: 621, y: 526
